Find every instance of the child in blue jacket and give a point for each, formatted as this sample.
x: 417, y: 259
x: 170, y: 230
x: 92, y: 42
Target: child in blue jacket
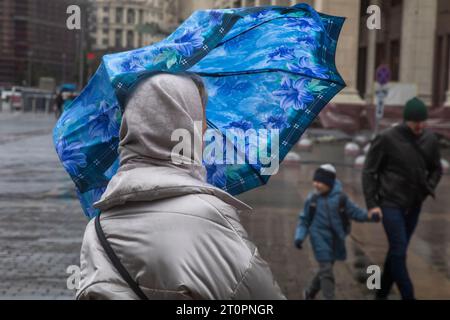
x: 326, y: 218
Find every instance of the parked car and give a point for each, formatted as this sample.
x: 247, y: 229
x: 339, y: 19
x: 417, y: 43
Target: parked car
x: 12, y: 99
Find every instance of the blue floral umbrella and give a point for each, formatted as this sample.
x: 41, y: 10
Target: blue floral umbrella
x: 263, y: 67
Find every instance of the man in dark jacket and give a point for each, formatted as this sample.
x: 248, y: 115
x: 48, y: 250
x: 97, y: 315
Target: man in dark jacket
x: 401, y: 170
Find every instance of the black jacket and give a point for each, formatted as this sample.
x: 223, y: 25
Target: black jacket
x: 401, y: 169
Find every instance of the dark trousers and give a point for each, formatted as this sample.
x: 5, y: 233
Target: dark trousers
x: 399, y: 225
x: 323, y: 280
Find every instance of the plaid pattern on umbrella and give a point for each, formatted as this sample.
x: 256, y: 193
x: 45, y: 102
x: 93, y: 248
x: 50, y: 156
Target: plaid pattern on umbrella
x: 263, y: 67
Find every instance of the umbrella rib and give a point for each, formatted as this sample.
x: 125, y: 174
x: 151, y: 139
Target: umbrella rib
x: 258, y: 25
x: 234, y: 73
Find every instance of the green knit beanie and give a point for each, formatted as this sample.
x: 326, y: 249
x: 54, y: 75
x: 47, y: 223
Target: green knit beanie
x: 415, y: 110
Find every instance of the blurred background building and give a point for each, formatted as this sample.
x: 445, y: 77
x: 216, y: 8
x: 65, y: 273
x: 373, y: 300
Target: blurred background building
x: 414, y: 40
x: 127, y: 24
x: 34, y: 41
x: 191, y: 5
x: 119, y: 25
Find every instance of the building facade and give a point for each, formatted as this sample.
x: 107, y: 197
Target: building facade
x: 252, y: 3
x: 414, y: 42
x: 127, y: 24
x: 189, y: 6
x: 414, y: 39
x: 35, y: 42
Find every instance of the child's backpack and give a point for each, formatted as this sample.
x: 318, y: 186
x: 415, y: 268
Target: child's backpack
x: 346, y: 222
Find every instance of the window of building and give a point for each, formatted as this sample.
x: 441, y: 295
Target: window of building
x: 140, y: 43
x: 92, y: 19
x: 441, y: 70
x: 364, y: 5
x: 141, y: 16
x: 447, y: 70
x: 130, y: 16
x: 118, y: 38
x: 119, y: 15
x: 284, y: 3
x: 380, y: 54
x: 396, y: 3
x: 130, y: 38
x: 362, y: 61
x: 395, y: 60
x: 105, y: 20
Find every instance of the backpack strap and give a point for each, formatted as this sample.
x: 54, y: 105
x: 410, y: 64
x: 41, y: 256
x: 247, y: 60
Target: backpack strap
x: 312, y: 208
x: 342, y: 212
x: 116, y: 261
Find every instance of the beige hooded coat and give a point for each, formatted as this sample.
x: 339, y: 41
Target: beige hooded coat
x: 178, y: 236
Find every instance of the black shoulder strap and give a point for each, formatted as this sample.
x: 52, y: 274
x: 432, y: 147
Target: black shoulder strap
x: 312, y: 208
x: 342, y: 212
x: 342, y: 202
x: 116, y: 262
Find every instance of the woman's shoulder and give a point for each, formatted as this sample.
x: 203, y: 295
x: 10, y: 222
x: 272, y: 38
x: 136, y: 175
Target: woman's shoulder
x: 215, y: 205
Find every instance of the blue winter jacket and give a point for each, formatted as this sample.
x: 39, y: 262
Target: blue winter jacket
x: 327, y: 230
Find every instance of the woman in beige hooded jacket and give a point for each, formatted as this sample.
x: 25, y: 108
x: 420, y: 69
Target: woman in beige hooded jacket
x: 177, y: 236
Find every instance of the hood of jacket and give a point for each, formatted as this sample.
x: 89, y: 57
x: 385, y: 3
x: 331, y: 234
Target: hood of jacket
x: 159, y: 109
x: 157, y: 183
x: 335, y: 192
x: 337, y: 188
x: 159, y: 106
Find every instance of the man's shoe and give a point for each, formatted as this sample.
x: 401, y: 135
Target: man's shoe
x: 380, y: 296
x: 306, y: 295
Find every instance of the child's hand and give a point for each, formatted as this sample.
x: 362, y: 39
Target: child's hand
x: 298, y: 244
x: 375, y: 214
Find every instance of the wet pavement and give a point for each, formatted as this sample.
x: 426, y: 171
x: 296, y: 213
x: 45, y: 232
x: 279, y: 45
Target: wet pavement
x: 277, y: 205
x: 41, y: 223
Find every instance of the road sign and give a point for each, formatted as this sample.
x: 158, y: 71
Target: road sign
x: 381, y: 95
x: 383, y: 75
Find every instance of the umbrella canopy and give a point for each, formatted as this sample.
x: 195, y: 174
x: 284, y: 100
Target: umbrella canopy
x: 265, y: 68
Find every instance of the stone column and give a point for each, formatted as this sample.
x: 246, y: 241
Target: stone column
x: 371, y: 61
x: 318, y: 5
x: 187, y: 7
x: 282, y: 2
x: 447, y: 102
x: 418, y: 46
x: 347, y: 51
x: 123, y: 27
